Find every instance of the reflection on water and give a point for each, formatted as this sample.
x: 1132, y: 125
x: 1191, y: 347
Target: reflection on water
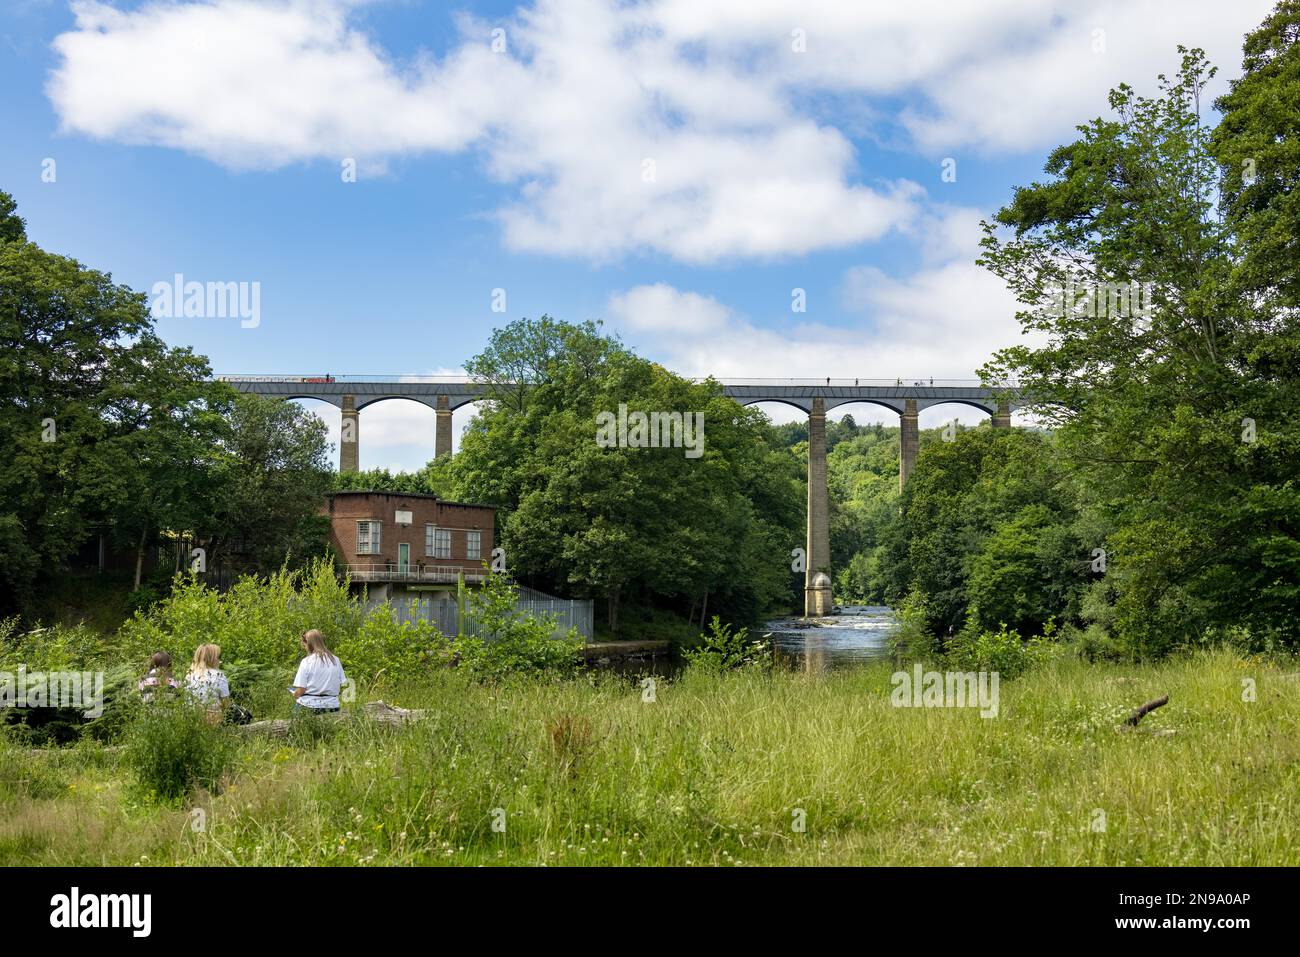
x: 858, y: 634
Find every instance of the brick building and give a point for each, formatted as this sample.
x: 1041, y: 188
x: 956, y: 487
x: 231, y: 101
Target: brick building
x: 399, y: 544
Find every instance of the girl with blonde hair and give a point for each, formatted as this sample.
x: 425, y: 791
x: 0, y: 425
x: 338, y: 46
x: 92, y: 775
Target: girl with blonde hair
x: 320, y: 677
x: 207, y: 683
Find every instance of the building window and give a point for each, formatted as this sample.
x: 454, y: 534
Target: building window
x: 367, y: 538
x: 473, y: 545
x: 442, y: 543
x: 428, y: 541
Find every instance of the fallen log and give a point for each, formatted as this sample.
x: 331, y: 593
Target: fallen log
x: 1145, y: 710
x: 378, y: 711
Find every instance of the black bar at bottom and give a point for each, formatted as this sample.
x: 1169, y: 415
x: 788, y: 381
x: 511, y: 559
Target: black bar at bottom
x: 363, y: 905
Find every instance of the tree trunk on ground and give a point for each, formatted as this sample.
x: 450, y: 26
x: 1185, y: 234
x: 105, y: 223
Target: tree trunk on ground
x: 1146, y: 709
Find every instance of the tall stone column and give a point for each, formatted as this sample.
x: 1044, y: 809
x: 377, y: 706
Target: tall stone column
x: 817, y: 583
x: 350, y: 436
x: 1002, y: 418
x: 442, y: 438
x: 909, y: 439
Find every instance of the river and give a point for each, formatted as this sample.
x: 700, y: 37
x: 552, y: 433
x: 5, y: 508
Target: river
x: 856, y: 635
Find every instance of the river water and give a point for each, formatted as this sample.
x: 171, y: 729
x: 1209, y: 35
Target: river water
x: 857, y: 635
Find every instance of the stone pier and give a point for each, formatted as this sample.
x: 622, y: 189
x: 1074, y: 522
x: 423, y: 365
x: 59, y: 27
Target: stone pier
x: 442, y: 437
x: 909, y: 439
x: 350, y: 436
x: 817, y: 587
x: 1002, y: 418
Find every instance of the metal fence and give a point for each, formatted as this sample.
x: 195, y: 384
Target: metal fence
x: 411, y: 572
x: 443, y: 613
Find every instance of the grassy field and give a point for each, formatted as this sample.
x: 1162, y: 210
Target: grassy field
x: 720, y: 770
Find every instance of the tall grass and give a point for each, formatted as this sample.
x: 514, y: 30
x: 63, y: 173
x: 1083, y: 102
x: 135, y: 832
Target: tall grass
x: 173, y: 750
x: 722, y: 769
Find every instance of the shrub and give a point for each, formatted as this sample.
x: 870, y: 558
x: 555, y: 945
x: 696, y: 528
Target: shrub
x: 1003, y: 651
x: 142, y: 599
x: 385, y: 645
x: 65, y: 649
x: 173, y: 749
x: 912, y: 638
x: 1094, y: 643
x: 259, y: 688
x: 721, y: 649
x: 56, y: 647
x: 258, y: 620
x: 516, y: 642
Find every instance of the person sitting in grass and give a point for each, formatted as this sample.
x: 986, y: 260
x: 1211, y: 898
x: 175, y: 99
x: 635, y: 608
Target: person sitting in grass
x: 320, y: 677
x: 159, y: 676
x: 207, y: 684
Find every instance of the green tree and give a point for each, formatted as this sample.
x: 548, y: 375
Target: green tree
x: 1257, y: 143
x: 623, y: 523
x: 271, y: 479
x: 103, y: 425
x: 1181, y: 420
x: 862, y: 478
x: 987, y: 534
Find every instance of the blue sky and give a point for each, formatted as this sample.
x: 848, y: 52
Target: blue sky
x: 673, y: 168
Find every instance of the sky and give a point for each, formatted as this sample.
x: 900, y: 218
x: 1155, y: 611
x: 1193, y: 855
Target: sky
x: 737, y: 188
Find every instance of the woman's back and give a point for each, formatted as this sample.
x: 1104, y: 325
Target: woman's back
x: 208, y: 687
x: 322, y: 676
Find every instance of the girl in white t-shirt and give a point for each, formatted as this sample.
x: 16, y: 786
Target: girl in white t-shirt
x: 206, y: 683
x: 320, y: 677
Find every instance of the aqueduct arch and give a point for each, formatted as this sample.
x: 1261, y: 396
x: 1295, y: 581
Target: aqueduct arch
x: 906, y: 398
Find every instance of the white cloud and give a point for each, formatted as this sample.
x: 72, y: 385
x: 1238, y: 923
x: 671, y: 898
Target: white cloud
x: 662, y: 309
x: 943, y: 322
x: 671, y: 126
x: 996, y: 75
x: 616, y: 141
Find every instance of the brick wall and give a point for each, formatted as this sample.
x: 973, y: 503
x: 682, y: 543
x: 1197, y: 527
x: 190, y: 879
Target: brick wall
x: 345, y: 509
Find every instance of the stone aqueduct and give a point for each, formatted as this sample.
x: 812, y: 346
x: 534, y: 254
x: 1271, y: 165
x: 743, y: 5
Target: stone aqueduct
x: 905, y: 397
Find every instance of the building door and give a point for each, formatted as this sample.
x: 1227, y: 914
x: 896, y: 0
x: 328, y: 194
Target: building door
x: 403, y: 558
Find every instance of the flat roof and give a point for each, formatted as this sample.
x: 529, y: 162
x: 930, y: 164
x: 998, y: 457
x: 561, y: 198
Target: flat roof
x: 422, y: 495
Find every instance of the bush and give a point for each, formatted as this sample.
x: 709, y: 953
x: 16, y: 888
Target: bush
x: 75, y: 648
x: 172, y: 750
x: 257, y: 687
x: 516, y: 642
x: 385, y: 645
x: 142, y: 599
x: 56, y: 647
x: 258, y: 620
x: 1003, y: 651
x: 912, y: 638
x: 721, y: 649
x: 1094, y: 643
